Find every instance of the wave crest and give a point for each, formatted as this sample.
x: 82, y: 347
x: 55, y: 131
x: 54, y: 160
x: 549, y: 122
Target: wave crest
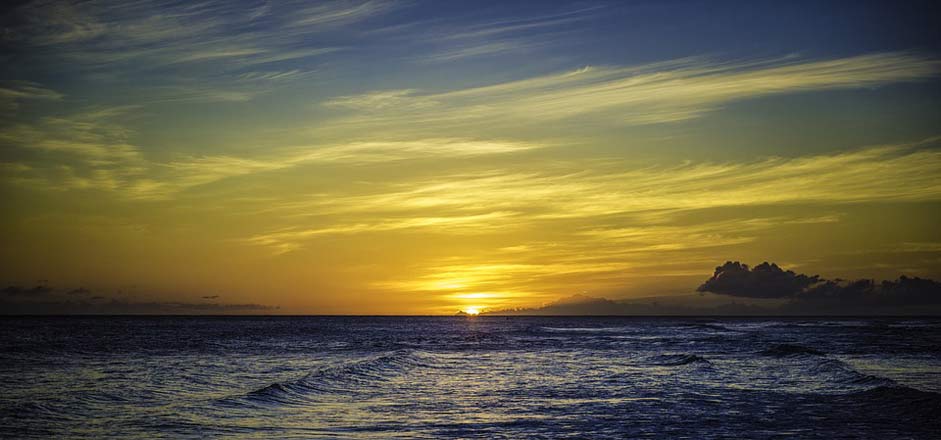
x: 357, y: 375
x: 674, y: 360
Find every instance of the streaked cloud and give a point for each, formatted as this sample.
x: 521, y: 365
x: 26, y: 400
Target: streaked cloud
x: 13, y: 92
x: 92, y: 136
x: 507, y: 200
x: 209, y: 51
x: 94, y: 149
x: 503, y: 36
x: 194, y: 171
x: 287, y: 240
x: 467, y: 50
x: 340, y: 12
x: 655, y: 93
x: 515, y: 25
x: 567, y: 192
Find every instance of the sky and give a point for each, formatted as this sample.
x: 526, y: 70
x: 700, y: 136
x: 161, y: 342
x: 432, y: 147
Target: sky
x: 410, y: 157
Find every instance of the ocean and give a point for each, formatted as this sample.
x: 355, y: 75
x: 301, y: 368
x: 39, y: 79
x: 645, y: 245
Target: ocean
x: 469, y: 377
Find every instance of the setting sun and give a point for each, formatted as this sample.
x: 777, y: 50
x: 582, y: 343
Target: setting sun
x: 472, y: 311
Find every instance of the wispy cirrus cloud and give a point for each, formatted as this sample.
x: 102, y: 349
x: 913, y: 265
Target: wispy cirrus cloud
x: 341, y: 12
x: 525, y: 199
x: 458, y: 41
x: 187, y: 172
x: 93, y: 137
x: 287, y: 240
x: 523, y: 24
x: 460, y: 51
x: 13, y: 92
x: 656, y: 93
x: 94, y: 149
x: 211, y: 51
x: 110, y: 32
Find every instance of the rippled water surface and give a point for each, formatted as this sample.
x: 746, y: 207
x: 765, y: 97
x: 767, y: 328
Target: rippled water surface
x: 484, y: 377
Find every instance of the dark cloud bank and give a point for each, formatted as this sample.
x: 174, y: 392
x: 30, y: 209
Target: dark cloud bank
x: 766, y: 289
x: 45, y: 300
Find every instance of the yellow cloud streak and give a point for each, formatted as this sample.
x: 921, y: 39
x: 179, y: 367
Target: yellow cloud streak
x: 853, y: 176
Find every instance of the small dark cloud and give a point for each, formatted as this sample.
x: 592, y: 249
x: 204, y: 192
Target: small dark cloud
x: 95, y: 306
x: 763, y: 281
x: 44, y: 300
x: 177, y: 308
x: 814, y: 295
x: 26, y: 291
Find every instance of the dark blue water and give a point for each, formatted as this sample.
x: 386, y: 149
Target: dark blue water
x: 484, y: 377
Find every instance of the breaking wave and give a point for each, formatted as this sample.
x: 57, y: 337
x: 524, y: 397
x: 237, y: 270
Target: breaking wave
x: 842, y: 373
x: 674, y: 360
x: 353, y: 376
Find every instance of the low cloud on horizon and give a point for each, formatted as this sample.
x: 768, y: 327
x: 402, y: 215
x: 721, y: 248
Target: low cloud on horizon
x: 118, y: 307
x: 765, y: 289
x: 45, y: 300
x: 733, y: 289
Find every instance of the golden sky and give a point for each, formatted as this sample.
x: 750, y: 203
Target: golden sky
x: 415, y: 158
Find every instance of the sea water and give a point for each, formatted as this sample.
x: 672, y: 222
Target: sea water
x: 469, y: 377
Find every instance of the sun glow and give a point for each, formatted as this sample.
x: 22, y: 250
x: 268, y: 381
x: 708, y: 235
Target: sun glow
x: 474, y: 311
